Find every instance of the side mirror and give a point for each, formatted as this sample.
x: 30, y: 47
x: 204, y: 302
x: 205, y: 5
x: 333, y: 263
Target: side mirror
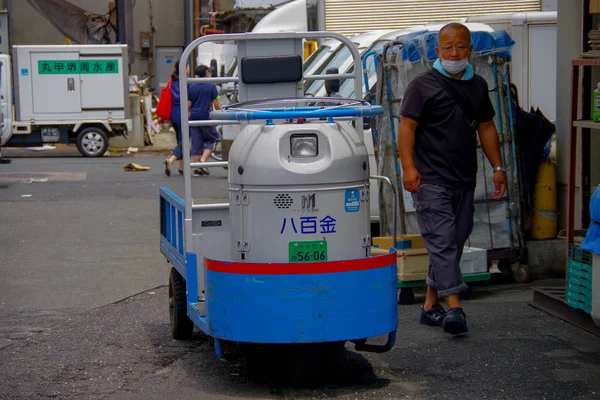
x: 332, y: 85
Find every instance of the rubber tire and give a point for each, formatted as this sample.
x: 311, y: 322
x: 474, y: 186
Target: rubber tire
x: 181, y: 325
x: 406, y: 296
x: 522, y: 274
x: 92, y: 129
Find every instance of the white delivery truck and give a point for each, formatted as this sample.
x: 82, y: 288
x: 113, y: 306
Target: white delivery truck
x: 65, y: 94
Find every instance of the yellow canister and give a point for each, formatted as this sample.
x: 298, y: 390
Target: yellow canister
x: 544, y: 219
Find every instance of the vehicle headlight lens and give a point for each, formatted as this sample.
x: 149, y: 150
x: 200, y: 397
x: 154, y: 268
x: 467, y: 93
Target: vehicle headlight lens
x: 304, y: 146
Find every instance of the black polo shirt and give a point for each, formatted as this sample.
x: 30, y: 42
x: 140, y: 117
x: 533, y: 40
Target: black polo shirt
x: 445, y: 144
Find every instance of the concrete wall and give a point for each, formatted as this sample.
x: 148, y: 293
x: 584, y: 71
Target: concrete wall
x: 28, y: 27
x: 570, y: 14
x: 549, y: 5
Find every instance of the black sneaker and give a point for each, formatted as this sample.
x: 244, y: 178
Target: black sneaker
x: 455, y: 321
x: 433, y: 317
x: 167, y: 168
x: 201, y: 171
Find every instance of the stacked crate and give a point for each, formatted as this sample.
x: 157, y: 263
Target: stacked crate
x: 579, y: 279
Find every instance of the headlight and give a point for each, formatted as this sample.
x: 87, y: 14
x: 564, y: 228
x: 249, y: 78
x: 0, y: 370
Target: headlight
x: 304, y: 146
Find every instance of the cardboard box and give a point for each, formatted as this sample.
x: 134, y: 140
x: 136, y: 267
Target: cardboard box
x: 594, y: 6
x: 407, y: 241
x: 412, y: 263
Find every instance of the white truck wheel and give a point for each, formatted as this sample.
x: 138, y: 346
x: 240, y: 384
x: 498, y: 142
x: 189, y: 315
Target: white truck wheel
x: 92, y: 142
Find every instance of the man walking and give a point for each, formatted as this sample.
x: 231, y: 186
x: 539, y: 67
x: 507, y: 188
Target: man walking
x: 443, y: 110
x: 204, y: 97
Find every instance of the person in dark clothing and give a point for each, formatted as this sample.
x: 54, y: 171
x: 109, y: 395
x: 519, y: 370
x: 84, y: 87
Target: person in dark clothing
x: 437, y: 143
x: 176, y: 153
x: 4, y: 160
x: 203, y: 98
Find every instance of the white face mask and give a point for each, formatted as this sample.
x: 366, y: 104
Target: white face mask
x: 455, y: 67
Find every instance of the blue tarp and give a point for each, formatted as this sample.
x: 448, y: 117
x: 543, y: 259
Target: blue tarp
x: 418, y: 46
x: 592, y: 238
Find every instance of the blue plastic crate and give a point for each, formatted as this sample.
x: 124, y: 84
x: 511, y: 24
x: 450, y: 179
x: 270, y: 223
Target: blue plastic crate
x: 580, y: 290
x: 579, y: 301
x: 580, y: 281
x: 576, y: 253
x: 580, y: 270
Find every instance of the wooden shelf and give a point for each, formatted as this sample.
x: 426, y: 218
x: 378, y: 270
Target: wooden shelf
x: 592, y: 62
x: 586, y: 123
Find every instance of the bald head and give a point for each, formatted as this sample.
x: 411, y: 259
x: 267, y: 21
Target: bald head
x: 455, y: 29
x: 454, y: 42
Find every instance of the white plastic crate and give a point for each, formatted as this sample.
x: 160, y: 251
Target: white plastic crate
x: 474, y: 261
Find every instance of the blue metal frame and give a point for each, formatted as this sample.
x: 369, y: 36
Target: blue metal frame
x: 501, y: 133
x: 297, y: 112
x: 171, y: 230
x: 365, y: 72
x: 172, y: 247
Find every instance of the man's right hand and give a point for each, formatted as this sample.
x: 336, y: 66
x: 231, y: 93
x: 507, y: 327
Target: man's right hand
x: 411, y: 180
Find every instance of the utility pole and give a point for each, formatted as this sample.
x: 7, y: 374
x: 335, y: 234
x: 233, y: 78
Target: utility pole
x: 125, y: 26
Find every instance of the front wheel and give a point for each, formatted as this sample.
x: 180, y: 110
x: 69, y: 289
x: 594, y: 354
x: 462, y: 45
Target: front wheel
x: 92, y: 142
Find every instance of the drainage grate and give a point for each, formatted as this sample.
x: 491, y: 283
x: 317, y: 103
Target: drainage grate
x: 283, y: 200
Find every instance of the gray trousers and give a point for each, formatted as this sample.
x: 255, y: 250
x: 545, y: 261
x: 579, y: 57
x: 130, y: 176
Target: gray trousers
x: 445, y: 220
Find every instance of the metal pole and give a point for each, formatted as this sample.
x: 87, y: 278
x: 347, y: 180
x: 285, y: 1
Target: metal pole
x: 395, y: 204
x: 571, y: 180
x: 125, y: 27
x: 9, y: 18
x: 187, y: 21
x: 321, y: 15
x: 121, y: 21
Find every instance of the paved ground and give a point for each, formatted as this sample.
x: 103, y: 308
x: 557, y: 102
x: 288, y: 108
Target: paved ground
x: 83, y: 311
x: 124, y: 351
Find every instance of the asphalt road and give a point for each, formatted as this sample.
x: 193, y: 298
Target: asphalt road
x: 84, y: 311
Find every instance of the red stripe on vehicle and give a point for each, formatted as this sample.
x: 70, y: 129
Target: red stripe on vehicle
x: 324, y: 267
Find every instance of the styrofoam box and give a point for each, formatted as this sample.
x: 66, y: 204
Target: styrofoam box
x: 596, y: 289
x: 474, y: 261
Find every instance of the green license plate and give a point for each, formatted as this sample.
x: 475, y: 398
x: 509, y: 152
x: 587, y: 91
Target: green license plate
x: 309, y: 251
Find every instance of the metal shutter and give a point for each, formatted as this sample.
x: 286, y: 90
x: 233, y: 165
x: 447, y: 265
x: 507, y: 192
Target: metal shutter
x: 355, y: 16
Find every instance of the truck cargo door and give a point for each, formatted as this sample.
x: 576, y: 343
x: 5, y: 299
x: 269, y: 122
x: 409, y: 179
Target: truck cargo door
x: 103, y: 82
x: 542, y: 69
x: 5, y: 99
x: 55, y: 82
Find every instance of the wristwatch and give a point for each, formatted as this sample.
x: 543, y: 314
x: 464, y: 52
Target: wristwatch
x: 496, y: 169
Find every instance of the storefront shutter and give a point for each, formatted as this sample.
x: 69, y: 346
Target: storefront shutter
x: 356, y: 16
